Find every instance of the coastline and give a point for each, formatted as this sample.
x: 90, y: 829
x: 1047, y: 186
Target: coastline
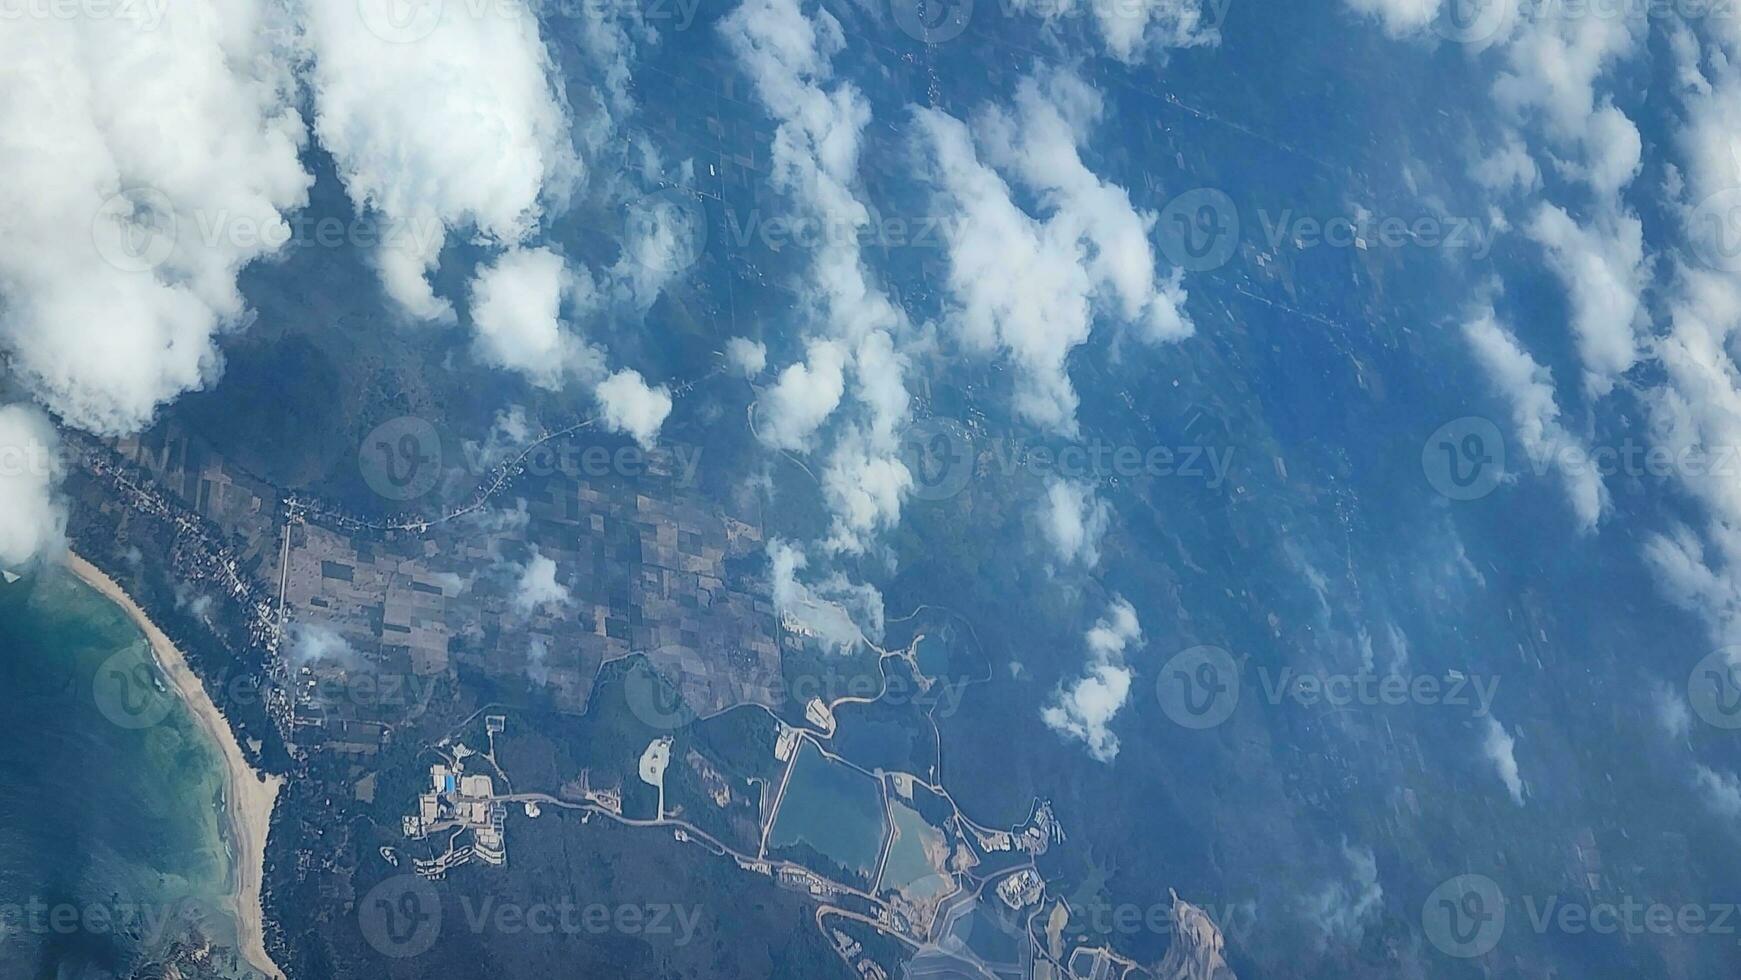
x: 248, y: 795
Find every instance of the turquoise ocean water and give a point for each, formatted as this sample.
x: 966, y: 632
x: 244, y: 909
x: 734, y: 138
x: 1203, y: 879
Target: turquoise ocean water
x: 111, y: 839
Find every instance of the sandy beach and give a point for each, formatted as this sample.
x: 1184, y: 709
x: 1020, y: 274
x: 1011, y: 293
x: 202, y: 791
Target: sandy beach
x: 248, y: 795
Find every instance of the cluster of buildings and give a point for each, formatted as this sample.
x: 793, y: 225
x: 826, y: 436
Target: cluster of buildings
x: 464, y: 802
x: 1021, y: 889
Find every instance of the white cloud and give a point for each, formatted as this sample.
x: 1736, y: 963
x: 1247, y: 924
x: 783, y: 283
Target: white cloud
x: 318, y: 643
x: 1613, y: 152
x: 631, y: 406
x: 839, y: 614
x: 864, y: 490
x: 848, y: 322
x: 1508, y: 166
x: 663, y: 235
x: 1602, y: 267
x: 1698, y: 410
x: 1029, y: 286
x: 1553, y: 65
x: 802, y: 398
x: 1721, y: 790
x: 1549, y: 87
x: 516, y: 310
x: 814, y: 159
x: 1135, y: 29
x: 509, y: 434
x: 1697, y: 582
x: 109, y: 304
x: 1399, y: 17
x: 538, y: 660
x: 1500, y: 748
x: 464, y: 128
x: 1342, y: 909
x: 537, y: 586
x: 1074, y: 521
x: 1084, y: 709
x: 32, y: 520
x: 611, y: 32
x: 747, y: 357
x: 1670, y: 708
x: 1529, y: 387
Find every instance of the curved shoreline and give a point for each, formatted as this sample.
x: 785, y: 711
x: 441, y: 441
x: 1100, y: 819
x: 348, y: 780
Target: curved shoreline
x: 248, y: 795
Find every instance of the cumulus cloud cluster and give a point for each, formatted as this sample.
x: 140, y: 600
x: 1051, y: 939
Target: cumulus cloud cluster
x: 1025, y: 285
x: 1699, y: 406
x: 1133, y: 31
x: 852, y: 350
x: 462, y: 131
x: 1553, y: 116
x: 537, y: 586
x: 517, y: 313
x: 386, y: 111
x: 517, y: 305
x: 633, y: 407
x: 1084, y: 708
x: 119, y: 248
x: 747, y: 357
x: 1029, y: 287
x: 838, y: 613
x: 1601, y: 265
x: 1529, y: 388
